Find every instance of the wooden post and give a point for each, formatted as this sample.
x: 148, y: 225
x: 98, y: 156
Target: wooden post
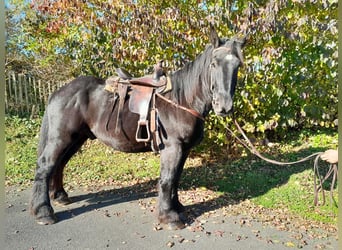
x: 49, y: 91
x: 33, y: 111
x: 36, y: 97
x: 21, y: 97
x: 25, y: 85
x: 6, y: 87
x: 9, y: 84
x: 15, y: 91
x: 40, y: 91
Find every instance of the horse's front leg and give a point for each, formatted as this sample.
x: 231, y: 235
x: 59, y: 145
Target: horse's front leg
x: 172, y: 161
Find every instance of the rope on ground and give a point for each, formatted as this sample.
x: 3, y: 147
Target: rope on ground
x: 333, y: 170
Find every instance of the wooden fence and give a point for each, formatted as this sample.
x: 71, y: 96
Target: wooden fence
x: 25, y: 94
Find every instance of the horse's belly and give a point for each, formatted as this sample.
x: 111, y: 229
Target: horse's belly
x: 125, y: 145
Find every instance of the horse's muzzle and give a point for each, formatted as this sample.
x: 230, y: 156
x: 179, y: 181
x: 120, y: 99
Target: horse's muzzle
x: 223, y: 113
x: 223, y: 110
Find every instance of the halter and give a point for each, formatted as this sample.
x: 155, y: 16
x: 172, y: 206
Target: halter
x: 222, y: 48
x: 239, y: 54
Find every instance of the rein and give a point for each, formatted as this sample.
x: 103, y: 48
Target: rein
x: 317, y: 187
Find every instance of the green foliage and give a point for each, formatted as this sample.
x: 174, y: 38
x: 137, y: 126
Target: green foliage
x: 290, y: 75
x: 292, y: 67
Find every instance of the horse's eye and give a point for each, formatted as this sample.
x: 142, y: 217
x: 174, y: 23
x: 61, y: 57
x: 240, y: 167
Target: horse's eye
x: 213, y: 64
x: 212, y: 87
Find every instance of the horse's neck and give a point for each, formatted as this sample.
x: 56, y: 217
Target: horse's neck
x: 192, y: 84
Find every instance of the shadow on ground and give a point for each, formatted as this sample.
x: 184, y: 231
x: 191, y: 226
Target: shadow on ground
x: 241, y: 179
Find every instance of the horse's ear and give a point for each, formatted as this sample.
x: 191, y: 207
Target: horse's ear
x: 243, y: 41
x: 238, y: 46
x: 214, y: 38
x: 240, y: 42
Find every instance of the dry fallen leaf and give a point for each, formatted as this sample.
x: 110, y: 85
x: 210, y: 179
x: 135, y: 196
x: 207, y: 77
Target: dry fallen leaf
x: 170, y: 244
x: 219, y: 233
x: 157, y: 228
x: 290, y: 244
x: 196, y: 228
x: 181, y: 240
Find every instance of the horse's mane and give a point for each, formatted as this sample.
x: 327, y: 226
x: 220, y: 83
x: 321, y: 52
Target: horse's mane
x: 186, y: 81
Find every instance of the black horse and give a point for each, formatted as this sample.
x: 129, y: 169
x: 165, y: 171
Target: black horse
x: 81, y: 109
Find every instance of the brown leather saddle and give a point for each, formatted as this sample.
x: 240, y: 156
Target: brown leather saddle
x: 141, y: 93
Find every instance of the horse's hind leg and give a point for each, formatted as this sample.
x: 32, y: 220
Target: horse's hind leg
x: 56, y: 190
x: 46, y: 164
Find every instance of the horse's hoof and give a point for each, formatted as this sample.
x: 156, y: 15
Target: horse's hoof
x: 62, y: 201
x: 48, y: 220
x: 60, y: 198
x: 176, y: 225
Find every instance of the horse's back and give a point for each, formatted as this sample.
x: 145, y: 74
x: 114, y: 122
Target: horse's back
x: 77, y: 94
x: 78, y: 87
x: 70, y: 106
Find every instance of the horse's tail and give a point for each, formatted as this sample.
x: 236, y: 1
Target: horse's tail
x: 44, y: 133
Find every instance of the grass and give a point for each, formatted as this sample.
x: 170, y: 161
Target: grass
x: 297, y: 196
x: 93, y: 163
x: 21, y: 136
x: 239, y: 177
x: 101, y: 165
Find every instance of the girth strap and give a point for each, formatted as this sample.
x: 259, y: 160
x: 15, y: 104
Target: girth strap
x: 122, y: 90
x: 156, y: 142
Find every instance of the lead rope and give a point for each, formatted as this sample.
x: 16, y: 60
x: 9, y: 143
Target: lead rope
x: 332, y: 170
x: 254, y: 151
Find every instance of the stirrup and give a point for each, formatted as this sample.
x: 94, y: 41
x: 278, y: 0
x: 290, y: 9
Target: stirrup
x: 143, y: 131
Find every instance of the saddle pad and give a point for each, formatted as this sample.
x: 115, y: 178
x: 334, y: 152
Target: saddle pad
x: 112, y: 84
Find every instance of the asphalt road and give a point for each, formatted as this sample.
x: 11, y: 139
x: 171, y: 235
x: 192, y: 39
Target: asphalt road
x: 107, y: 220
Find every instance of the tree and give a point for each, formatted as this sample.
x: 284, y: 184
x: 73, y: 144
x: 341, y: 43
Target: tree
x: 295, y: 76
x: 290, y: 73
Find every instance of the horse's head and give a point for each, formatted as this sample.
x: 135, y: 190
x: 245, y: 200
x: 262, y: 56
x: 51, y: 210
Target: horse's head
x: 225, y: 62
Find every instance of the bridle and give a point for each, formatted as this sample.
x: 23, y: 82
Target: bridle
x: 192, y: 111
